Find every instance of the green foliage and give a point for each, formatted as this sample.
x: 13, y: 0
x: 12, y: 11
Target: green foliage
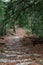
x: 1, y: 10
x: 29, y: 13
x: 25, y: 13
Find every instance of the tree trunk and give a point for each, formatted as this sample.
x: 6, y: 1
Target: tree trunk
x: 2, y: 29
x: 14, y: 28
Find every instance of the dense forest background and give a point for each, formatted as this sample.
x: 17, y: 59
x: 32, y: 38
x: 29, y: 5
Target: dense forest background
x: 24, y: 13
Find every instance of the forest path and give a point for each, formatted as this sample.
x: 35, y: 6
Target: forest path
x: 17, y: 54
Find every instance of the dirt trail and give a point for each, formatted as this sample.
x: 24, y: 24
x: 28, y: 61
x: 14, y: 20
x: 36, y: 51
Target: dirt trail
x: 17, y: 54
